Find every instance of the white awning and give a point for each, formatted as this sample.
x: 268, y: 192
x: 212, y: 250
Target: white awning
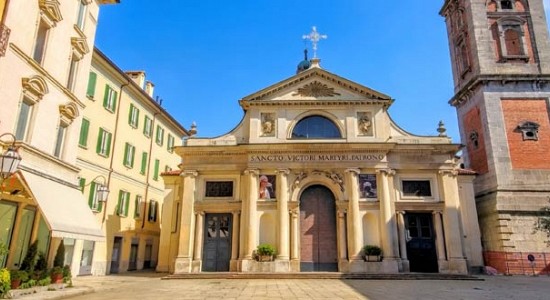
x: 64, y: 208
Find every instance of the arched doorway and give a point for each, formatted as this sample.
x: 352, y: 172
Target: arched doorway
x: 318, y: 248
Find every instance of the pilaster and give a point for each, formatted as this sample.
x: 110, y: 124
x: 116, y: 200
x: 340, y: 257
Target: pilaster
x: 387, y: 216
x: 185, y: 244
x: 235, y: 241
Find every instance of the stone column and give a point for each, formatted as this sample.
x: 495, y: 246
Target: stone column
x: 402, y: 234
x: 451, y: 222
x: 294, y: 255
x: 342, y: 245
x: 355, y: 226
x: 185, y: 243
x: 251, y: 226
x: 387, y: 216
x: 235, y: 235
x: 403, y: 240
x: 439, y: 238
x: 282, y: 213
x: 199, y: 234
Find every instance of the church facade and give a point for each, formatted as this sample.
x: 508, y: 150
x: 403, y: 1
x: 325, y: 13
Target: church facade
x: 318, y: 170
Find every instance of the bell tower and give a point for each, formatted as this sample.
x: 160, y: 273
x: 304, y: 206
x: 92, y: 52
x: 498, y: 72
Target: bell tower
x: 500, y: 57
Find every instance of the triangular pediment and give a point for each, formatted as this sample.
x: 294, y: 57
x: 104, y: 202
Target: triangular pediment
x: 315, y: 85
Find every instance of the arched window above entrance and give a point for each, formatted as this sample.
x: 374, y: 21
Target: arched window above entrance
x: 316, y: 127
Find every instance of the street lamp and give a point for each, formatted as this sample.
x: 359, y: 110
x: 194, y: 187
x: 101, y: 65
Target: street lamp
x: 9, y: 160
x: 101, y: 190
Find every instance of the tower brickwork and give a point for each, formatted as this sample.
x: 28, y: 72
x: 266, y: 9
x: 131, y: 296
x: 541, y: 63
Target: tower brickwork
x: 500, y: 57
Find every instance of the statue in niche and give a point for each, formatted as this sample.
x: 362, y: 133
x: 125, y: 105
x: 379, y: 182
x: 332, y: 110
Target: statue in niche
x: 268, y: 125
x: 364, y: 124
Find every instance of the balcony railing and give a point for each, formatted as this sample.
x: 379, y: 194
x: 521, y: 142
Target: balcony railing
x: 4, y: 37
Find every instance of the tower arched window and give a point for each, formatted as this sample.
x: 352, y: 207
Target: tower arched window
x: 512, y: 42
x: 316, y: 127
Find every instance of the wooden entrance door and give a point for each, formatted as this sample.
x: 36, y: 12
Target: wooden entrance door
x: 217, y: 243
x: 115, y: 256
x: 318, y: 249
x: 421, y: 243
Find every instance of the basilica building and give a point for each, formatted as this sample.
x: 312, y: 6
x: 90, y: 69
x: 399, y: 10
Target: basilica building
x: 319, y: 170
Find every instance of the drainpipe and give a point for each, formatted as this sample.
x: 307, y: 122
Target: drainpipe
x: 153, y: 136
x: 113, y: 147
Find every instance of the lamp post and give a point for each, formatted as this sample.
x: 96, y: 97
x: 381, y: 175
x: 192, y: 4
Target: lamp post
x: 9, y: 160
x: 101, y: 190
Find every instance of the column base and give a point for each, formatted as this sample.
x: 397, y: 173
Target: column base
x: 343, y: 266
x: 453, y: 266
x: 182, y: 265
x: 196, y: 266
x: 405, y: 266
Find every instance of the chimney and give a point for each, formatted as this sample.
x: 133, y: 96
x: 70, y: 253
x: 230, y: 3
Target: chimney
x: 149, y: 88
x: 138, y: 77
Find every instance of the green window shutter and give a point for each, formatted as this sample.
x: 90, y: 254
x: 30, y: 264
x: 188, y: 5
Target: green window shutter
x: 127, y: 204
x: 119, y: 204
x: 106, y: 97
x: 130, y: 114
x: 84, y: 128
x: 145, y: 125
x: 99, y: 206
x: 91, y: 85
x: 137, y: 118
x: 115, y: 98
x: 132, y: 156
x: 91, y: 195
x: 136, y: 206
x: 124, y: 158
x: 82, y: 184
x: 108, y: 152
x: 99, y: 140
x: 143, y: 162
x: 156, y: 173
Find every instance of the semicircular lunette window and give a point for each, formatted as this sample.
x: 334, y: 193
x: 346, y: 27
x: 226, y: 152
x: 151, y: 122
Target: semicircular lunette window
x: 316, y: 127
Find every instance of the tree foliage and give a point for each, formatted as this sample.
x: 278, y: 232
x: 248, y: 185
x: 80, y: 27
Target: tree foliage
x: 30, y: 258
x: 59, y: 256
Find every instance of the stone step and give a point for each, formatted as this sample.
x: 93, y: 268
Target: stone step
x: 322, y: 275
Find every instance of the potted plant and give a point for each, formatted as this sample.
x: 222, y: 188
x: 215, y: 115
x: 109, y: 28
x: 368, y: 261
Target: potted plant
x: 265, y: 252
x: 56, y: 274
x: 17, y: 277
x: 372, y: 253
x: 5, y: 282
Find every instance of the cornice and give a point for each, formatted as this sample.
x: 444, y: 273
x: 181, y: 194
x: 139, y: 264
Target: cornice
x: 39, y: 69
x: 282, y: 103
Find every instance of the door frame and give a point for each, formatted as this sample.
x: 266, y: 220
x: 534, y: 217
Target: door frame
x: 433, y: 263
x: 205, y: 239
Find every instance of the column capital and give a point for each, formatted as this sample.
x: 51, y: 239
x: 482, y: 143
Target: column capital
x: 189, y: 173
x: 282, y: 171
x: 254, y: 172
x: 342, y: 213
x: 293, y: 213
x: 199, y: 213
x: 401, y: 212
x: 435, y: 212
x: 449, y: 172
x: 386, y: 171
x: 355, y: 171
x: 236, y: 212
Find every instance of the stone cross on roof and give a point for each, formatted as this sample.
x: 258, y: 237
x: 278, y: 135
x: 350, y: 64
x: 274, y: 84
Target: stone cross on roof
x: 314, y: 37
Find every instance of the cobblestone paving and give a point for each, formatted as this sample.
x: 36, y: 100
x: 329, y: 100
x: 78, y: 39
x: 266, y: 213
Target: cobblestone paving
x: 500, y: 287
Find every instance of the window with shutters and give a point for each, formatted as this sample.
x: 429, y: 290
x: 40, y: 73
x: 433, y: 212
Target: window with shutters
x: 81, y: 15
x: 170, y: 144
x: 160, y: 136
x: 84, y: 129
x: 73, y: 71
x: 90, y: 92
x: 109, y: 99
x: 138, y: 204
x: 93, y: 201
x: 512, y: 43
x: 148, y: 127
x: 60, y: 139
x: 24, y: 119
x: 143, y: 163
x: 156, y: 172
x: 82, y: 183
x: 129, y: 153
x: 104, y: 143
x: 123, y: 203
x: 133, y: 116
x: 153, y: 208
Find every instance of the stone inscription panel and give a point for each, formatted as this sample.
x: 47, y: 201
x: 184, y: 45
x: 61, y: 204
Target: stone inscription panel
x: 315, y: 158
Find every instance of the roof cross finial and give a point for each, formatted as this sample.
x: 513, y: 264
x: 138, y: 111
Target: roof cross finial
x: 314, y: 37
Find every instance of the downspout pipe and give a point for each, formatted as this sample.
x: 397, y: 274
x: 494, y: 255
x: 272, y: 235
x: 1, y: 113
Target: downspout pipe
x: 115, y: 133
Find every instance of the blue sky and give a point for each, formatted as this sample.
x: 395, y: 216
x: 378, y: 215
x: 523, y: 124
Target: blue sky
x: 205, y: 55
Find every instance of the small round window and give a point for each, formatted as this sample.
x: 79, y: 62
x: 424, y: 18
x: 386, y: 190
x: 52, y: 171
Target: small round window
x: 316, y: 127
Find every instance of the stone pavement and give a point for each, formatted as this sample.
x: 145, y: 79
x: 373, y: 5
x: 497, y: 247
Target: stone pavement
x: 149, y: 286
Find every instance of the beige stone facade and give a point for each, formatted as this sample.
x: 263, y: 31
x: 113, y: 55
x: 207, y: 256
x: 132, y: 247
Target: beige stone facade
x: 44, y: 61
x: 125, y: 142
x: 318, y: 169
